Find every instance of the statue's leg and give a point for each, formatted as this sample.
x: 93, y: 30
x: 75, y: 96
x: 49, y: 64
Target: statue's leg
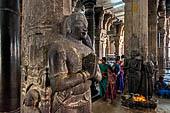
x: 137, y: 82
x: 132, y: 82
x: 129, y: 84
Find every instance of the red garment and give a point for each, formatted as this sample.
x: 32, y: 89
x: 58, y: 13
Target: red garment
x: 111, y: 87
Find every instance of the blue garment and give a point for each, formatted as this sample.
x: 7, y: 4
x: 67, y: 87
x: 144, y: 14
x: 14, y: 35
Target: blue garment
x: 162, y: 91
x: 116, y: 68
x: 119, y: 81
x: 161, y: 85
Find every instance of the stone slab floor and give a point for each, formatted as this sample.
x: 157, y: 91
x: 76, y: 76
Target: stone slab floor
x: 101, y: 106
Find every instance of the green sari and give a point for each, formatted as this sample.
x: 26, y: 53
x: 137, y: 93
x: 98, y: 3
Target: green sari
x: 103, y: 82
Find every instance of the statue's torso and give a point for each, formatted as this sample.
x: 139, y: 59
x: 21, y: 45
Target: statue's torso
x: 134, y: 65
x: 75, y: 51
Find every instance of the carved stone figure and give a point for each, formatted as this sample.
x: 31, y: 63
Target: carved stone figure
x: 31, y: 102
x: 72, y: 66
x: 146, y: 88
x: 134, y: 72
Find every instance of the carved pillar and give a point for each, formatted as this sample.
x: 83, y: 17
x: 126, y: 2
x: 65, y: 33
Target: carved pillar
x: 9, y: 56
x: 99, y: 17
x: 89, y: 12
x: 117, y: 45
x: 152, y: 29
x: 161, y: 37
x: 167, y: 42
x: 42, y: 25
x: 152, y: 33
x: 136, y: 27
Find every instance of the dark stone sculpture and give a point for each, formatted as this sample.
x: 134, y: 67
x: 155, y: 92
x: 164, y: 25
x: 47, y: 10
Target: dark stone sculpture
x: 72, y: 66
x: 146, y: 88
x: 139, y: 75
x: 133, y: 71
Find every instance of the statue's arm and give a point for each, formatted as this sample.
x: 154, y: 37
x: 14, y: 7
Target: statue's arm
x: 60, y: 79
x: 139, y: 65
x: 65, y: 81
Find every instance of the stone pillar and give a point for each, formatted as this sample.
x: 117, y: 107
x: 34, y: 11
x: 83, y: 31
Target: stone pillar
x: 9, y: 56
x: 117, y: 45
x: 167, y: 43
x: 89, y: 12
x: 136, y: 27
x: 97, y: 47
x: 152, y: 30
x: 162, y: 37
x: 42, y: 25
x: 152, y: 34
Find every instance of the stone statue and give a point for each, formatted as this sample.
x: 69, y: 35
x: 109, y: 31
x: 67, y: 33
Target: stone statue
x: 73, y: 65
x: 146, y: 88
x: 133, y: 71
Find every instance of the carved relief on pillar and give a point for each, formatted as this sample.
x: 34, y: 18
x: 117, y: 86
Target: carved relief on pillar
x: 107, y: 16
x: 161, y: 36
x: 41, y: 25
x: 167, y: 43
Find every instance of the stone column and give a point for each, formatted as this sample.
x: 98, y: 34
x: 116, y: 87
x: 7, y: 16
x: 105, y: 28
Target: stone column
x: 152, y: 30
x: 9, y: 56
x: 89, y: 12
x: 167, y: 43
x: 136, y: 27
x: 162, y: 37
x: 117, y: 45
x: 153, y: 34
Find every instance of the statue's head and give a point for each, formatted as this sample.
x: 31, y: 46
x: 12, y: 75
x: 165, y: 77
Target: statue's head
x: 135, y: 53
x: 77, y: 26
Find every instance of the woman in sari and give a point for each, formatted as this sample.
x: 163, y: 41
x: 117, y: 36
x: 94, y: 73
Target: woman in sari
x: 118, y: 72
x: 102, y: 84
x: 111, y: 85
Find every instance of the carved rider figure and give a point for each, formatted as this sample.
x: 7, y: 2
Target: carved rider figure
x: 72, y: 66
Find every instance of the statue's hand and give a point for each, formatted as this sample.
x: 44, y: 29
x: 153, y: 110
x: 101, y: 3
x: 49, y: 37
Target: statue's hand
x: 86, y: 75
x: 90, y: 64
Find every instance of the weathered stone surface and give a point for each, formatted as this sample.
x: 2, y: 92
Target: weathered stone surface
x: 136, y: 27
x: 161, y: 37
x: 42, y: 24
x: 152, y: 29
x: 72, y: 69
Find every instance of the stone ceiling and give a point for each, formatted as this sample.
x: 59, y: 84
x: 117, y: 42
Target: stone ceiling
x: 116, y: 6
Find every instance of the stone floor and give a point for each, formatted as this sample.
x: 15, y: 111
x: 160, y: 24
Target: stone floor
x: 101, y: 106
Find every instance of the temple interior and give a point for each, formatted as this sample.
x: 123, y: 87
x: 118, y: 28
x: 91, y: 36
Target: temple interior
x: 84, y: 56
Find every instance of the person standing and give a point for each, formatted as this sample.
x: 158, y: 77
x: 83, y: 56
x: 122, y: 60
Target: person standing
x: 102, y: 84
x: 117, y: 71
x: 111, y: 85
